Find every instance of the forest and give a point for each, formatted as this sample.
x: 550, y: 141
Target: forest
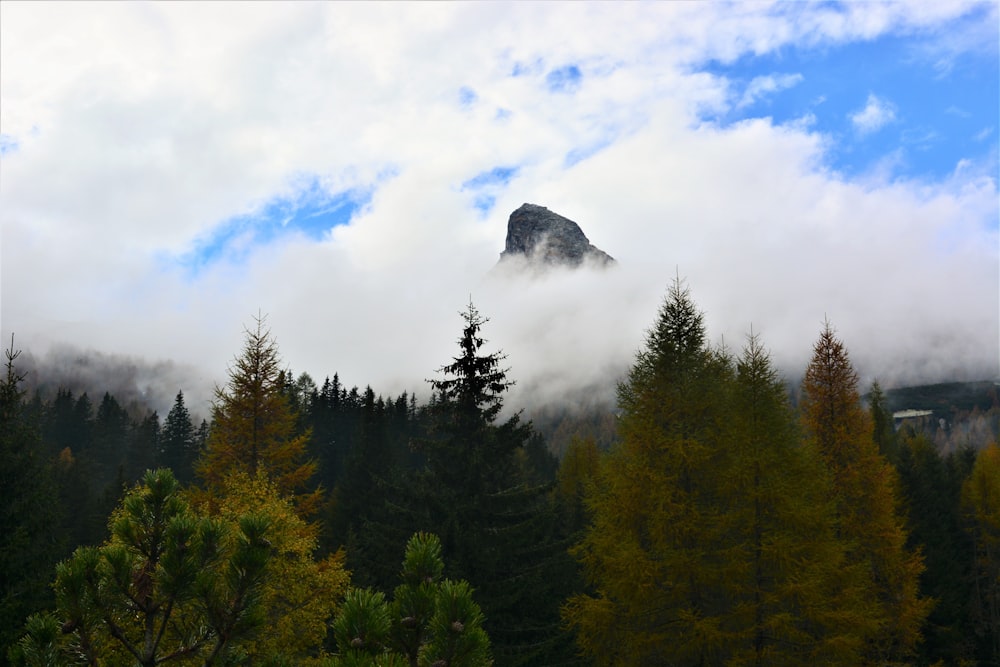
x: 714, y: 518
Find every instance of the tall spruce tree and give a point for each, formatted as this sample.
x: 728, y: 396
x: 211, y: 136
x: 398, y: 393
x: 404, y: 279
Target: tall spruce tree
x: 497, y: 527
x: 867, y: 497
x: 711, y: 541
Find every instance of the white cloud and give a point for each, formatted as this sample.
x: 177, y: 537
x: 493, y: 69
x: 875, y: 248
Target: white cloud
x: 762, y: 86
x: 157, y: 123
x: 876, y: 114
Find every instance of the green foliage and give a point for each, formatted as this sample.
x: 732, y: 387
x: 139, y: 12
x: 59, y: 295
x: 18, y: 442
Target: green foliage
x: 169, y: 585
x: 178, y: 445
x: 981, y: 500
x: 429, y: 622
x: 931, y: 486
x: 29, y: 517
x: 40, y: 644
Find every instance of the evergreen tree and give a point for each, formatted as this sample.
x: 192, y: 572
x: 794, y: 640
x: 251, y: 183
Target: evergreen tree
x: 253, y: 426
x: 168, y: 585
x: 867, y: 497
x: 882, y: 428
x: 981, y: 500
x: 109, y: 437
x: 430, y: 621
x: 29, y: 520
x: 931, y: 487
x: 497, y: 527
x: 143, y: 446
x: 178, y: 441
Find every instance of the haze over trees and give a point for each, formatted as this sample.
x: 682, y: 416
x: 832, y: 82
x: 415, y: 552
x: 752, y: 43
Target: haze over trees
x: 723, y: 525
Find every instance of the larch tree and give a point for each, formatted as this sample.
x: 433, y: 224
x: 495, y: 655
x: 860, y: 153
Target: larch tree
x: 867, y: 497
x: 253, y: 427
x: 654, y: 505
x: 794, y: 596
x: 711, y: 539
x: 300, y: 593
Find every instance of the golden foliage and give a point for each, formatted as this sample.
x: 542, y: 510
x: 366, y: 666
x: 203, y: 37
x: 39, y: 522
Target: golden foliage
x: 300, y: 594
x: 866, y: 490
x: 253, y: 426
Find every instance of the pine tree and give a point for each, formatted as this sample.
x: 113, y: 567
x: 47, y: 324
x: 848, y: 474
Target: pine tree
x: 253, y: 428
x: 867, y: 497
x: 110, y: 435
x: 168, y: 585
x: 430, y: 621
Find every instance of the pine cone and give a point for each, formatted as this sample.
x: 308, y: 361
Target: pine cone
x: 457, y: 626
x: 357, y: 642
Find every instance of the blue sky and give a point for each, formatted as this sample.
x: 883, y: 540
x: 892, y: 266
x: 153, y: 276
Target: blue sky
x: 171, y: 169
x: 926, y: 111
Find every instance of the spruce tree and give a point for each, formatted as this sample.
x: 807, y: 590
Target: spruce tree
x: 497, y: 527
x: 178, y: 446
x: 29, y: 510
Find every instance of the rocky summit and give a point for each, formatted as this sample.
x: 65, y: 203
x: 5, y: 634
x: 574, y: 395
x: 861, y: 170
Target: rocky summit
x: 547, y: 238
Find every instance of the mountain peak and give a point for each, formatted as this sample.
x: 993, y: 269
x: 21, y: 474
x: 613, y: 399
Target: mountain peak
x: 547, y: 238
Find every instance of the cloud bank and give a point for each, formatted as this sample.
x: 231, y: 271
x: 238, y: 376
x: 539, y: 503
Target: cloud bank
x: 170, y: 170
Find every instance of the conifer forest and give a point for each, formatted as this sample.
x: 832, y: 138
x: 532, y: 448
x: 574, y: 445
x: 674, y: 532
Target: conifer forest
x: 719, y: 514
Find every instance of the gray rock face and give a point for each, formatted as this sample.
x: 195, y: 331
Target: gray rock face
x: 547, y: 238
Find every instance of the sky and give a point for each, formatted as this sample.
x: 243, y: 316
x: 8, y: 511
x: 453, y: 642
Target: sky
x: 169, y: 171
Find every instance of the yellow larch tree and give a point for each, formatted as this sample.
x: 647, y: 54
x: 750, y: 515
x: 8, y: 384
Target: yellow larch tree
x: 300, y: 594
x: 253, y: 426
x: 711, y: 540
x: 866, y: 491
